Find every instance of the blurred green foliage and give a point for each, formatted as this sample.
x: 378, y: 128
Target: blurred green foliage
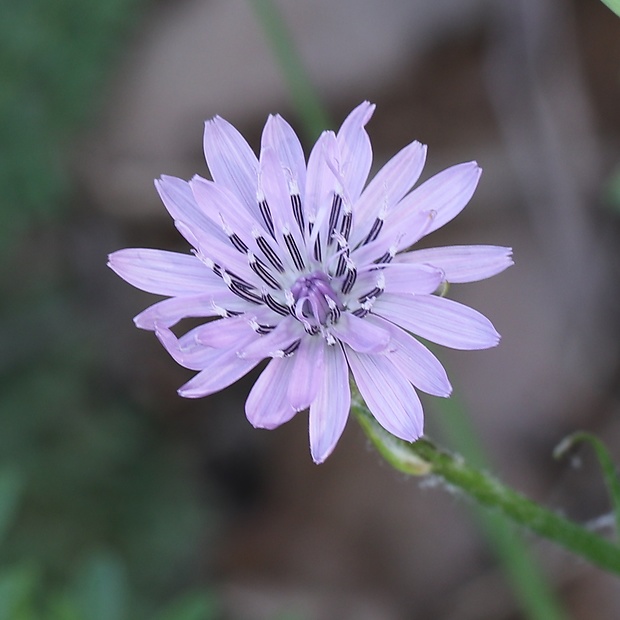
x: 53, y: 56
x: 612, y: 191
x: 99, y: 514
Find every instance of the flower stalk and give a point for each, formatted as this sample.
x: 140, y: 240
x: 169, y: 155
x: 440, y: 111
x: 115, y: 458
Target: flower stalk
x: 425, y: 458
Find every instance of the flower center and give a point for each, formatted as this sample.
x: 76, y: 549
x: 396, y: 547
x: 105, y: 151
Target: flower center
x: 315, y: 302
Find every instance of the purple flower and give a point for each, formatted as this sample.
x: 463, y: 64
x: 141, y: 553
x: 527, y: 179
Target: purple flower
x: 306, y: 264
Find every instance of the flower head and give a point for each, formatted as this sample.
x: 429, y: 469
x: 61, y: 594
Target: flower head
x: 306, y: 264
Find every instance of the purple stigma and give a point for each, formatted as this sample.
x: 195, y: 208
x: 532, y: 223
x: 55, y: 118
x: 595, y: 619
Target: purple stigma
x: 314, y: 299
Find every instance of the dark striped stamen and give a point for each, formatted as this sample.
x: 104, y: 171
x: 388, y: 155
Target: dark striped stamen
x: 360, y: 312
x: 386, y: 258
x: 260, y: 269
x: 230, y: 275
x: 334, y: 314
x: 298, y: 211
x: 342, y: 263
x: 228, y: 313
x: 291, y: 348
x: 218, y: 270
x: 264, y: 329
x: 238, y: 243
x: 374, y: 231
x: 294, y: 251
x: 349, y: 281
x: 345, y: 227
x: 239, y: 290
x: 333, y: 217
x: 242, y: 284
x: 318, y: 254
x: 265, y: 211
x: 276, y: 306
x: 270, y: 255
x: 370, y: 295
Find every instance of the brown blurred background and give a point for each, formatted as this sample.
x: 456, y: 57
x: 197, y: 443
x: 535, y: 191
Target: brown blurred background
x: 528, y: 88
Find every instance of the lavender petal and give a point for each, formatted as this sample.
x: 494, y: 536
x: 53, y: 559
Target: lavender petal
x: 231, y: 161
x: 330, y: 409
x: 163, y: 273
x: 320, y: 180
x: 361, y: 335
x: 274, y: 185
x: 463, y: 263
x: 307, y: 373
x: 416, y: 363
x: 355, y: 149
x: 389, y: 186
x: 279, y: 136
x: 179, y: 200
x: 446, y: 194
x: 397, y: 409
x: 224, y: 370
x: 187, y: 351
x: 439, y: 320
x: 275, y: 342
x: 222, y: 207
x: 230, y: 331
x: 170, y: 311
x: 267, y: 405
x: 418, y: 279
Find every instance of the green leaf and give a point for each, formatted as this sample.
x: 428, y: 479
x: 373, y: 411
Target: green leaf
x: 614, y: 5
x: 195, y: 606
x: 101, y: 589
x: 610, y: 471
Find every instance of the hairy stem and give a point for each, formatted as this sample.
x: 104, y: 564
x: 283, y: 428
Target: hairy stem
x: 424, y: 458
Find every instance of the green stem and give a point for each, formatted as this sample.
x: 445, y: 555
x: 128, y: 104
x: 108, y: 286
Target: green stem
x: 305, y: 99
x: 529, y: 583
x: 423, y: 457
x: 614, y: 5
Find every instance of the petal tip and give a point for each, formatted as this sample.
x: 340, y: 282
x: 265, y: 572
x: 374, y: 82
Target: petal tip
x: 140, y: 323
x: 187, y: 393
x: 472, y: 166
x: 319, y: 455
x: 190, y: 391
